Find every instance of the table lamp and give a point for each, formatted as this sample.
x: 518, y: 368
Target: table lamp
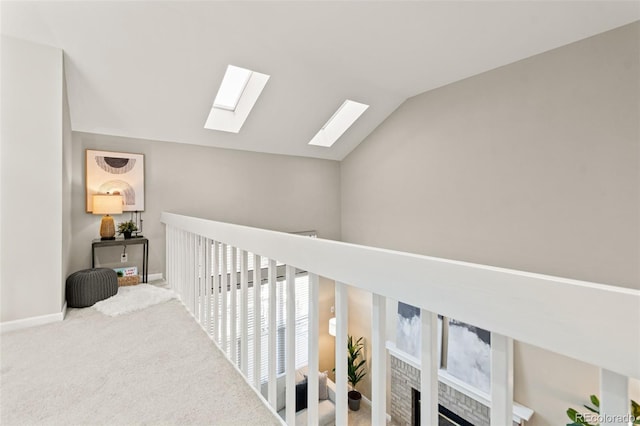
x: 107, y: 204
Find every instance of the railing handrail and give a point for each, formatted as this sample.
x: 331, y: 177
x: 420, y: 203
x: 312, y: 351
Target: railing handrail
x: 595, y: 323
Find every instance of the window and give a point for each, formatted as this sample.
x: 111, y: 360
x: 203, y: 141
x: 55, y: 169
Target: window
x: 465, y: 350
x: 301, y: 309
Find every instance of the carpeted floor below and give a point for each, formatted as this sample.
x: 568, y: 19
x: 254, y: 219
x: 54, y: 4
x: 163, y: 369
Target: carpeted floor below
x: 154, y: 366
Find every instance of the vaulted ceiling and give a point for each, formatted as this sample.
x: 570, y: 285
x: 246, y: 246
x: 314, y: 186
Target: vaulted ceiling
x: 151, y: 69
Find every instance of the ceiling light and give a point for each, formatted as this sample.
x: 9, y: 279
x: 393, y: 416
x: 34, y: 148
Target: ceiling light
x: 236, y: 97
x: 343, y: 118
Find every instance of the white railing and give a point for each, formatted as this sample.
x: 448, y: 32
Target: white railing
x: 594, y: 323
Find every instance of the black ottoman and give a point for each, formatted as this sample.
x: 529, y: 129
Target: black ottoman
x: 86, y: 287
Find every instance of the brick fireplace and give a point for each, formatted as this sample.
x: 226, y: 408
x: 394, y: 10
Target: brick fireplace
x: 472, y: 406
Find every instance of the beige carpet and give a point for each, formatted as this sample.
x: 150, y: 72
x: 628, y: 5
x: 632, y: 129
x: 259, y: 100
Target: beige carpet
x: 154, y: 366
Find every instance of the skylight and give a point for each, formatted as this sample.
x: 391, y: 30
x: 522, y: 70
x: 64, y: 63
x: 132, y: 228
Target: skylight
x: 238, y: 93
x: 233, y: 84
x: 343, y: 118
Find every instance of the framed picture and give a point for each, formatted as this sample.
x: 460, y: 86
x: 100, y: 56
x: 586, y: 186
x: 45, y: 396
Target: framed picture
x: 110, y: 172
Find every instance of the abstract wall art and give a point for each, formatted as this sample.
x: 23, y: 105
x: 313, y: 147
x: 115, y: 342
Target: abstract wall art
x: 111, y: 172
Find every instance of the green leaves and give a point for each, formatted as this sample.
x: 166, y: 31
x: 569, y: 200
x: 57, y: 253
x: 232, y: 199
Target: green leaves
x: 578, y: 418
x: 355, y: 361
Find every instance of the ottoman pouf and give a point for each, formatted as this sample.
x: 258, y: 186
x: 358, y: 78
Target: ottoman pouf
x: 86, y: 287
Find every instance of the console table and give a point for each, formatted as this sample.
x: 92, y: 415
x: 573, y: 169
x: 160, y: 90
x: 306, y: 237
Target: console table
x: 97, y: 243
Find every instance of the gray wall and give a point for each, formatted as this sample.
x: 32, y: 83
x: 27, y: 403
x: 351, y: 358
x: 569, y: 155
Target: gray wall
x: 263, y: 190
x: 31, y: 180
x: 532, y: 166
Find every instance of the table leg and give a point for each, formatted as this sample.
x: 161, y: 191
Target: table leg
x: 145, y: 262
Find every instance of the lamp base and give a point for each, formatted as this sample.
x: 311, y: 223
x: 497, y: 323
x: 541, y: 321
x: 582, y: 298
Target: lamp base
x: 107, y: 228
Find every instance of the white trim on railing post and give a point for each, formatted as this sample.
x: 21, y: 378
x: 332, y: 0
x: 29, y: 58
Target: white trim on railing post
x: 342, y: 384
x: 291, y: 346
x: 216, y: 291
x: 501, y: 380
x: 206, y: 272
x: 273, y: 333
x: 378, y: 360
x: 614, y: 399
x: 429, y: 369
x: 314, y: 368
x: 233, y: 315
x: 223, y: 296
x: 244, y: 313
x: 257, y: 320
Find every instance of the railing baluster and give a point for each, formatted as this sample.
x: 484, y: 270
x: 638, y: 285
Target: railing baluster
x: 244, y: 313
x: 167, y: 252
x: 196, y: 278
x: 257, y: 319
x: 183, y: 269
x: 223, y: 295
x: 206, y: 272
x: 216, y: 291
x: 200, y: 279
x: 192, y: 276
x: 614, y: 398
x: 291, y: 346
x: 312, y: 401
x: 342, y: 385
x: 501, y: 380
x: 273, y: 333
x: 429, y: 369
x: 378, y: 360
x: 233, y: 314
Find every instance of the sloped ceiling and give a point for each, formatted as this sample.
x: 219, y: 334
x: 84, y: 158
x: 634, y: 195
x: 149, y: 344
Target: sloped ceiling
x: 151, y: 69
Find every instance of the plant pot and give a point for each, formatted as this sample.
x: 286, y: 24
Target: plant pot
x: 354, y: 400
x: 127, y: 235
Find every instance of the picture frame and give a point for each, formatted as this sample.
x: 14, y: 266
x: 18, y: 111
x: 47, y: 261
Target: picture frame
x: 110, y: 172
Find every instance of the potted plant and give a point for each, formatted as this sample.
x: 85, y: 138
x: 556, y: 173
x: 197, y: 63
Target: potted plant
x: 355, y: 370
x: 585, y: 418
x: 126, y: 228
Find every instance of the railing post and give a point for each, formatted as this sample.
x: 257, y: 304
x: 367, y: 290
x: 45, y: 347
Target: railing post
x: 233, y: 301
x: 257, y: 319
x: 273, y: 333
x: 223, y: 295
x: 614, y: 399
x: 244, y: 313
x: 501, y: 380
x: 291, y: 346
x: 312, y: 387
x: 429, y: 369
x: 378, y: 360
x: 342, y: 384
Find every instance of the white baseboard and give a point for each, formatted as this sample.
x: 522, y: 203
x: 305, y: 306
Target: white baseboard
x: 33, y: 321
x: 155, y: 277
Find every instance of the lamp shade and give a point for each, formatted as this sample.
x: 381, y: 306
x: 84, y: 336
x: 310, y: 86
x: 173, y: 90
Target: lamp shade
x: 107, y: 204
x: 332, y: 326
